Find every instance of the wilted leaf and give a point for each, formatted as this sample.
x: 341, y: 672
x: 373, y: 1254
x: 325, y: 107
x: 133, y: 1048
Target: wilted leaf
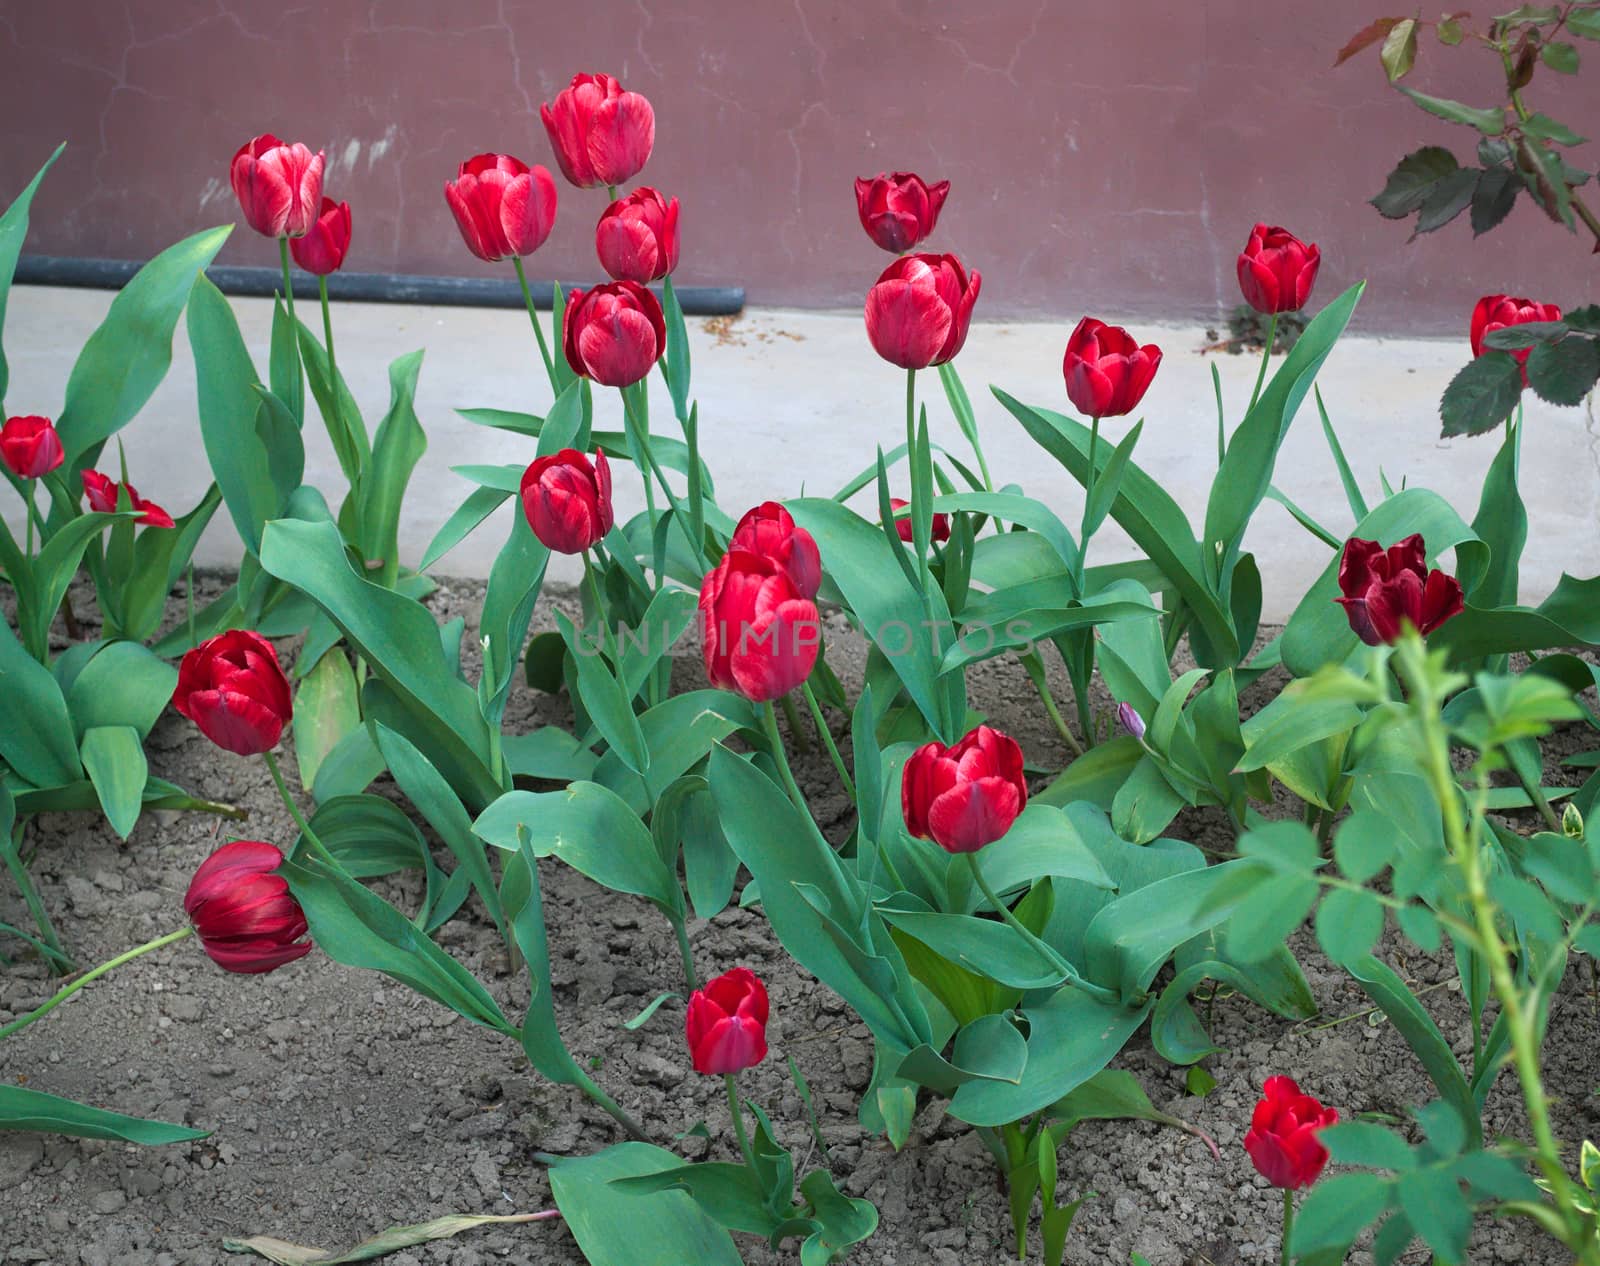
x: 1366, y: 37
x: 380, y: 1245
x: 1413, y: 179
x: 1481, y: 396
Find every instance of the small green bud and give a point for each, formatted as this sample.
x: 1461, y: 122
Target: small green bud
x: 1572, y: 822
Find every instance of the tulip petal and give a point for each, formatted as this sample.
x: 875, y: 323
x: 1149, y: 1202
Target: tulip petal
x: 907, y: 324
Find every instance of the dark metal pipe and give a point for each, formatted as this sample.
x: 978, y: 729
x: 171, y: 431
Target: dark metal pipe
x: 470, y: 292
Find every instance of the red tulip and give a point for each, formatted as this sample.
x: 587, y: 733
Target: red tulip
x: 1496, y: 312
x: 727, y: 1023
x: 614, y: 333
x: 965, y: 796
x: 637, y: 237
x: 1277, y: 270
x: 279, y: 186
x: 102, y: 494
x: 502, y: 206
x: 770, y: 530
x: 323, y: 248
x: 902, y: 525
x: 1282, y: 1140
x: 899, y: 209
x: 761, y: 635
x: 1384, y: 590
x: 567, y: 499
x: 1107, y: 371
x: 242, y: 911
x: 233, y: 689
x: 30, y: 447
x: 919, y: 309
x: 601, y: 134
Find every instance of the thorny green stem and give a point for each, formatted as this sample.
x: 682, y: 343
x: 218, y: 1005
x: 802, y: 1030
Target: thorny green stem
x: 66, y: 991
x: 533, y: 315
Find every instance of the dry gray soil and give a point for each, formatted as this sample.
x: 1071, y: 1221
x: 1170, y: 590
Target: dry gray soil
x: 339, y: 1102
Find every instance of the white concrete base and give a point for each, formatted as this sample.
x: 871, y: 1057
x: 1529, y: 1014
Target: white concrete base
x: 793, y: 401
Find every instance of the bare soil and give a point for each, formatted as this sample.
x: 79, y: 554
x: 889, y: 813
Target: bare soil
x: 339, y: 1102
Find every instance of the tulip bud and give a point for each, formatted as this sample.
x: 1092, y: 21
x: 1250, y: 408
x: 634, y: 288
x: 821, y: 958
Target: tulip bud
x: 919, y: 309
x: 760, y: 634
x: 1107, y: 372
x: 242, y: 911
x: 1497, y: 312
x: 726, y: 1025
x: 1131, y: 721
x: 30, y: 447
x: 1572, y: 822
x: 567, y: 499
x: 279, y: 186
x: 1386, y: 590
x: 102, y: 494
x: 323, y: 248
x: 233, y: 689
x: 903, y: 525
x: 1277, y: 270
x: 1282, y: 1140
x: 502, y: 206
x: 614, y: 333
x: 637, y: 237
x: 601, y: 135
x: 899, y: 209
x: 770, y: 530
x: 966, y: 796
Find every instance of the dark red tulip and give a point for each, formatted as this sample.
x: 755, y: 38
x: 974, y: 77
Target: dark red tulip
x: 102, y: 494
x: 279, y: 186
x: 1107, y: 372
x: 242, y: 911
x: 1496, y: 312
x: 567, y: 499
x: 614, y: 333
x: 1384, y: 590
x: 1282, y: 1140
x: 30, y: 447
x: 637, y: 236
x: 233, y: 689
x: 726, y: 1026
x: 965, y: 796
x: 902, y: 524
x: 770, y: 530
x: 323, y: 248
x: 601, y: 134
x: 760, y: 635
x: 899, y: 209
x: 1277, y: 270
x: 919, y: 309
x: 502, y: 206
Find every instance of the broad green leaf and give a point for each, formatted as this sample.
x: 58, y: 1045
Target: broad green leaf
x: 1490, y: 122
x: 43, y: 747
x: 122, y: 684
x: 479, y: 505
x: 369, y: 835
x: 340, y: 413
x: 126, y: 358
x: 609, y: 708
x: 983, y: 946
x: 396, y: 450
x: 326, y: 709
x: 1564, y: 372
x: 1041, y: 842
x: 113, y: 757
x: 22, y: 1109
x: 13, y: 232
x: 1413, y: 180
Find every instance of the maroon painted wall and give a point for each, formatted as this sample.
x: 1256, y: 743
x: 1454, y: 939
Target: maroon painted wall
x: 1105, y: 157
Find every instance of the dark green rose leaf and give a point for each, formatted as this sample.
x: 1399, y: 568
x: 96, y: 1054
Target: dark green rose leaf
x: 1490, y: 122
x: 1481, y: 396
x: 1446, y: 200
x: 1513, y: 338
x: 1543, y: 127
x: 1413, y: 180
x: 1564, y: 372
x: 1561, y: 57
x: 1493, y: 198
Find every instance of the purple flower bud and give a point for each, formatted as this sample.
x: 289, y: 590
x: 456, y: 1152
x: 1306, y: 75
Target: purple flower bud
x: 1132, y: 722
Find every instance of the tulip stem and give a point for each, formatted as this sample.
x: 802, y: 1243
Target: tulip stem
x: 796, y: 732
x: 1089, y: 482
x: 66, y: 991
x: 827, y: 740
x: 342, y: 442
x: 912, y: 463
x: 538, y: 330
x: 769, y: 722
x: 1288, y: 1221
x: 593, y: 586
x: 1266, y: 357
x: 33, y: 513
x: 317, y: 846
x: 642, y: 428
x: 738, y: 1121
x: 297, y: 405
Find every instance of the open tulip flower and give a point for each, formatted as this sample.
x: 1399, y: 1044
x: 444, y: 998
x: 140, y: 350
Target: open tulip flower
x: 613, y: 334
x: 770, y: 530
x: 502, y: 206
x: 1498, y: 312
x: 567, y: 499
x: 232, y: 687
x: 967, y: 795
x: 1384, y: 590
x: 637, y: 237
x: 919, y: 310
x: 726, y: 1027
x: 242, y: 911
x: 601, y: 134
x: 323, y: 248
x: 101, y: 493
x: 279, y: 185
x: 899, y: 209
x: 1277, y: 270
x: 1106, y: 369
x: 761, y: 635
